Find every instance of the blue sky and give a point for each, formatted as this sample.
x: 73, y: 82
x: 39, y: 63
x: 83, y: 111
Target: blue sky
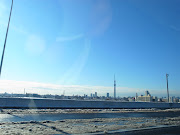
x: 84, y: 43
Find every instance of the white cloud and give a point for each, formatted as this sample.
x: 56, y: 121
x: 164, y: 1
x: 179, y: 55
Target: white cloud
x: 35, y: 44
x: 12, y: 86
x: 70, y: 38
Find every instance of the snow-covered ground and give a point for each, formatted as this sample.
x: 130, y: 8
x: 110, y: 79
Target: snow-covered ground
x: 58, y: 111
x: 83, y: 126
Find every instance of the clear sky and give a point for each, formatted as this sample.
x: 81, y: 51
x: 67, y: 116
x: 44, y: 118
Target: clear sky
x: 83, y: 43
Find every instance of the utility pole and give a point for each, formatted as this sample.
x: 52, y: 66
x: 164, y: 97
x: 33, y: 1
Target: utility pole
x: 167, y: 75
x: 6, y: 38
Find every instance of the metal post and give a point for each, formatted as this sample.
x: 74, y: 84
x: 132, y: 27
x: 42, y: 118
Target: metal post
x: 6, y: 38
x: 167, y: 86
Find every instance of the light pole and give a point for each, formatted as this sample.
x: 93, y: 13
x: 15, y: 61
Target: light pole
x: 167, y: 86
x: 6, y: 39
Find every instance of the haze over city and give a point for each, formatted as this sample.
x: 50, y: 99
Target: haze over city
x: 82, y: 44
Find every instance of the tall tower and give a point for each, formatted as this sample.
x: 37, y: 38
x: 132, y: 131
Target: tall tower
x: 114, y: 87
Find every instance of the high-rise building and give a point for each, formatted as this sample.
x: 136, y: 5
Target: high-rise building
x: 107, y: 95
x: 147, y: 93
x: 114, y: 87
x: 95, y: 94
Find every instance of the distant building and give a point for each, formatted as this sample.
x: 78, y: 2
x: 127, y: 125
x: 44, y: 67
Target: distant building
x: 131, y: 99
x: 124, y: 99
x: 164, y: 100
x: 95, y: 94
x: 176, y: 100
x: 155, y: 99
x: 171, y: 99
x: 159, y: 99
x: 146, y: 98
x: 107, y: 95
x: 136, y: 97
x: 147, y: 93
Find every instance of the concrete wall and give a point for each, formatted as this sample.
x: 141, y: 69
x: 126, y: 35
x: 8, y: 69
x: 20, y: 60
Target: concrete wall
x: 50, y: 103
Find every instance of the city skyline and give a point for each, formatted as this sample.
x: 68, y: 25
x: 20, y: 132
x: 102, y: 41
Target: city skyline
x: 12, y: 86
x: 82, y: 44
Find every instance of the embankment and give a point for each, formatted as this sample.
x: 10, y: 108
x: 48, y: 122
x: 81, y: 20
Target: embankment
x: 80, y: 104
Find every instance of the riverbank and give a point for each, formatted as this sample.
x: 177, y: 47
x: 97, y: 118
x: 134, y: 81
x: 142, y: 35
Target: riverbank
x: 85, y: 126
x: 45, y: 103
x: 89, y: 126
